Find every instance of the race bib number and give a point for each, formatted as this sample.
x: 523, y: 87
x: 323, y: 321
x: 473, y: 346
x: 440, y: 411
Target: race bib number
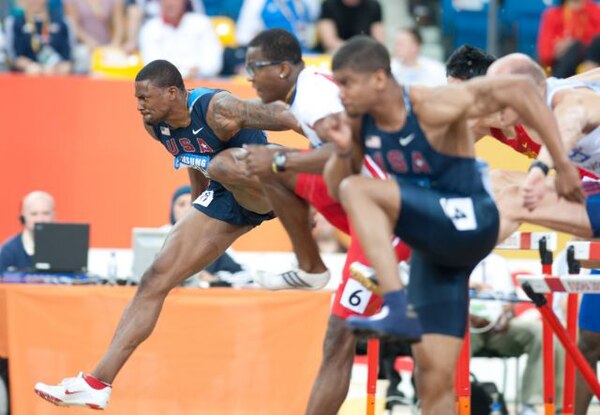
x: 461, y: 212
x: 205, y: 198
x: 355, y: 296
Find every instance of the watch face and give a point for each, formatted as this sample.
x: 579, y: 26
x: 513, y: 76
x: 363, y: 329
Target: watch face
x: 280, y: 160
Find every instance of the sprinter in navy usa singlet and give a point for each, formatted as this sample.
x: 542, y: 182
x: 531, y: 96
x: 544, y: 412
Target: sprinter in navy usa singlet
x: 448, y: 217
x: 196, y: 145
x: 200, y: 128
x: 437, y: 201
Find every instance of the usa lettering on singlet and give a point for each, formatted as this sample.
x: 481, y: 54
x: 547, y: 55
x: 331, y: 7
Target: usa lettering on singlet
x: 407, y: 155
x: 195, y: 145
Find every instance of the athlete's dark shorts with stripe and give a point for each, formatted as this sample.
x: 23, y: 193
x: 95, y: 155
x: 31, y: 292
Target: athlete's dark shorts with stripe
x: 449, y: 235
x: 219, y: 203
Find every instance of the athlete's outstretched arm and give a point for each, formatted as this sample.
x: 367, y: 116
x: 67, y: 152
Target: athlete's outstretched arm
x: 259, y: 159
x: 482, y: 96
x: 347, y: 157
x: 227, y: 114
x: 576, y: 113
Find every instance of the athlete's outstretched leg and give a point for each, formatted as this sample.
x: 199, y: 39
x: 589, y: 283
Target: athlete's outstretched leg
x: 275, y: 193
x: 195, y: 241
x: 293, y: 212
x: 553, y: 212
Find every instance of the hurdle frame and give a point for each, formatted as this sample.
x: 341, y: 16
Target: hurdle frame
x: 545, y: 243
x: 573, y: 284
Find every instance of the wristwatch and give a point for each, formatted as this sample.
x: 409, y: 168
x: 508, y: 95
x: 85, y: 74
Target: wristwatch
x: 279, y: 160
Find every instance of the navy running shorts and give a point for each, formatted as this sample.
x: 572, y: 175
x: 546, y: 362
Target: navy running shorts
x: 449, y: 235
x: 219, y: 203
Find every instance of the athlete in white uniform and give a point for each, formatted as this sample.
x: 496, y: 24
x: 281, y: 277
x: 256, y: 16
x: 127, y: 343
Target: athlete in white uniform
x: 531, y: 199
x: 584, y: 149
x: 292, y: 180
x: 306, y: 108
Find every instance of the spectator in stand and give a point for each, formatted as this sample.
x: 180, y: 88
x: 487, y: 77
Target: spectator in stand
x: 342, y: 19
x: 17, y: 252
x: 409, y: 67
x: 139, y: 11
x: 186, y: 39
x: 38, y: 42
x: 295, y: 16
x: 569, y: 36
x: 96, y: 23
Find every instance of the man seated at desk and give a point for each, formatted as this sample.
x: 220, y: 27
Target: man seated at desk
x: 17, y: 252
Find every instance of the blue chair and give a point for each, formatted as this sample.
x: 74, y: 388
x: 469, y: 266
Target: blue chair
x: 464, y: 26
x: 471, y: 28
x: 522, y: 19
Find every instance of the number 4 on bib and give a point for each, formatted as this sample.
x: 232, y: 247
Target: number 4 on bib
x: 461, y: 212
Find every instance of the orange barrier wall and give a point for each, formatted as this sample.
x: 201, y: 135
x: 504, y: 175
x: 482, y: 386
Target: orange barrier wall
x: 214, y: 352
x: 82, y: 140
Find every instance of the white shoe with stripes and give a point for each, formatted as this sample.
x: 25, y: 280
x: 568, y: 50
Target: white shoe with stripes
x: 293, y: 279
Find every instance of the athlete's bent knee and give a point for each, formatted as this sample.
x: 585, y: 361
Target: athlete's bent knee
x: 220, y: 169
x: 348, y: 189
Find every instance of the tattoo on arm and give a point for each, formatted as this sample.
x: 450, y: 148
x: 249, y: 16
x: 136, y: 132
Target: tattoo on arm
x: 230, y: 114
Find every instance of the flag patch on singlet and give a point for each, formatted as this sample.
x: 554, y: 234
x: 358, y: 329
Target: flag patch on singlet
x: 373, y: 141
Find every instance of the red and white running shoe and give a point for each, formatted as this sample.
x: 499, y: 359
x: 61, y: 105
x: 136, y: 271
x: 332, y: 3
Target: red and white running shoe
x: 75, y: 392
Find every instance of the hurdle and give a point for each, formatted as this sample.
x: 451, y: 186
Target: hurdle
x: 545, y: 243
x: 573, y: 284
x: 372, y: 348
x: 372, y: 374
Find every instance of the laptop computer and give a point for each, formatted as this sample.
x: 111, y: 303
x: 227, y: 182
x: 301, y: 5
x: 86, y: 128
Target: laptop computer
x: 146, y: 243
x: 61, y: 247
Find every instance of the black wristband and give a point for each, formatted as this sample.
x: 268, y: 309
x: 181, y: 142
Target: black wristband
x: 541, y: 165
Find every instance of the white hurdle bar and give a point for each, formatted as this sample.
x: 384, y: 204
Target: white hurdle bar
x: 585, y: 250
x: 575, y: 284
